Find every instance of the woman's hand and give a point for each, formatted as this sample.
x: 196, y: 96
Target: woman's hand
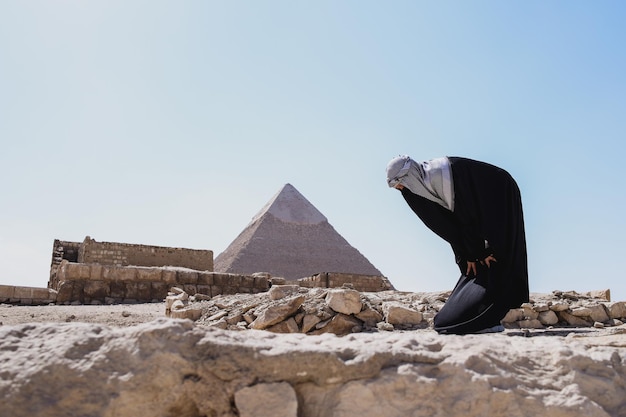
x: 471, y: 266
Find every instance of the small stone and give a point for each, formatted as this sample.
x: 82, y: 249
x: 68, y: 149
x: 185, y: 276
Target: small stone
x: 598, y: 325
x: 385, y: 326
x: 125, y: 313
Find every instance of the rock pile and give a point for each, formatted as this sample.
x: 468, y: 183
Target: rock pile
x: 169, y: 368
x: 294, y: 309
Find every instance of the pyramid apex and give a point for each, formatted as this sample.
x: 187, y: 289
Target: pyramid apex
x: 290, y: 206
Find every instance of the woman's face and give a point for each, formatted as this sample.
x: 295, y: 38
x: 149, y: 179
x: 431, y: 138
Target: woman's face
x: 399, y: 187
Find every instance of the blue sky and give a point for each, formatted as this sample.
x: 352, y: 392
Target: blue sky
x: 173, y: 123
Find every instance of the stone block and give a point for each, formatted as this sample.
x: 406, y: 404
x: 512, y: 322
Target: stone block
x: 572, y: 320
x: 6, y: 292
x: 148, y: 274
x: 261, y: 283
x: 96, y: 290
x: 397, y: 314
x: 95, y: 271
x: 144, y: 291
x: 64, y: 292
x: 159, y: 290
x: 216, y: 290
x: 205, y: 278
x: 276, y: 292
x: 23, y: 293
x: 132, y: 290
x: 187, y: 277
x: 78, y: 294
x: 277, y: 313
x: 287, y: 326
x: 118, y: 289
x: 341, y: 325
x: 247, y: 281
x: 369, y: 317
x: 221, y: 280
x: 344, y: 301
x: 617, y: 310
x: 204, y: 289
x: 70, y: 270
x: 169, y: 276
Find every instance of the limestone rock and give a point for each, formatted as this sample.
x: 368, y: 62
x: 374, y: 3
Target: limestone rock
x: 548, y: 318
x: 396, y: 313
x: 277, y: 313
x: 345, y: 301
x: 277, y: 292
x: 341, y: 325
x: 309, y: 321
x: 174, y: 368
x: 515, y: 314
x: 369, y: 317
x: 267, y: 400
x: 573, y: 320
x: 617, y: 310
x: 287, y: 326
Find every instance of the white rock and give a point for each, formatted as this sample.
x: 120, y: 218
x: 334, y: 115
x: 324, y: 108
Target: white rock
x: 395, y: 313
x: 344, y: 301
x: 281, y: 291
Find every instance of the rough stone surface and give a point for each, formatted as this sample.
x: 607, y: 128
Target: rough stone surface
x: 267, y: 400
x: 396, y: 313
x: 169, y: 368
x: 344, y: 301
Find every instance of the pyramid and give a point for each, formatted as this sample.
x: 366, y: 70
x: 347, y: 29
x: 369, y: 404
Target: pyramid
x: 290, y: 238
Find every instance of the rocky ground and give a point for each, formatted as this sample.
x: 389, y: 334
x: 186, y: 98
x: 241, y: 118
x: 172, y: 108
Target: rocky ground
x: 137, y: 361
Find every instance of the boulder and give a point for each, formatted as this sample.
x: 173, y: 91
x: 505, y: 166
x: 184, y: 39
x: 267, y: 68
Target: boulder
x: 277, y: 312
x: 345, y: 301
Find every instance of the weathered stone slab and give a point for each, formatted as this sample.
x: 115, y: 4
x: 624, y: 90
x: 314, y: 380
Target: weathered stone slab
x: 277, y: 313
x: 344, y: 301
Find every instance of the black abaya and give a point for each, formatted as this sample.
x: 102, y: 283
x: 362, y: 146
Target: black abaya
x: 487, y: 209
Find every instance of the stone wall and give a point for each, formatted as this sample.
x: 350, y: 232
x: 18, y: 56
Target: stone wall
x: 27, y: 295
x: 365, y: 283
x: 96, y: 284
x: 123, y: 254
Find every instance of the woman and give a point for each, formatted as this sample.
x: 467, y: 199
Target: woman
x: 477, y: 208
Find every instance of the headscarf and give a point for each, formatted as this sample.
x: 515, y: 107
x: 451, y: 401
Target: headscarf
x: 430, y: 179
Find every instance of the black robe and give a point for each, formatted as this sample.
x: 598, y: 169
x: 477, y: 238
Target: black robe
x: 487, y: 207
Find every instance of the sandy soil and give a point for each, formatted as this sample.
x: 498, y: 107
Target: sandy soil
x: 113, y: 315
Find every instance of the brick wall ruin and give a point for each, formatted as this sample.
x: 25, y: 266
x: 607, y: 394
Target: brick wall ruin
x: 123, y: 254
x: 109, y: 284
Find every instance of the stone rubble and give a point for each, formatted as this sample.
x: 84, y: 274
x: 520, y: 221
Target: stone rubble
x: 341, y: 311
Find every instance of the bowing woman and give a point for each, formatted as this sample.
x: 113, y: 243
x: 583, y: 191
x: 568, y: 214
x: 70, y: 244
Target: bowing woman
x: 477, y: 209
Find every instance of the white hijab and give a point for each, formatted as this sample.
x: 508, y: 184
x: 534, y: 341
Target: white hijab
x: 429, y: 179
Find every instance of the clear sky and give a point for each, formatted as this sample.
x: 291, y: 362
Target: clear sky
x: 173, y: 123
